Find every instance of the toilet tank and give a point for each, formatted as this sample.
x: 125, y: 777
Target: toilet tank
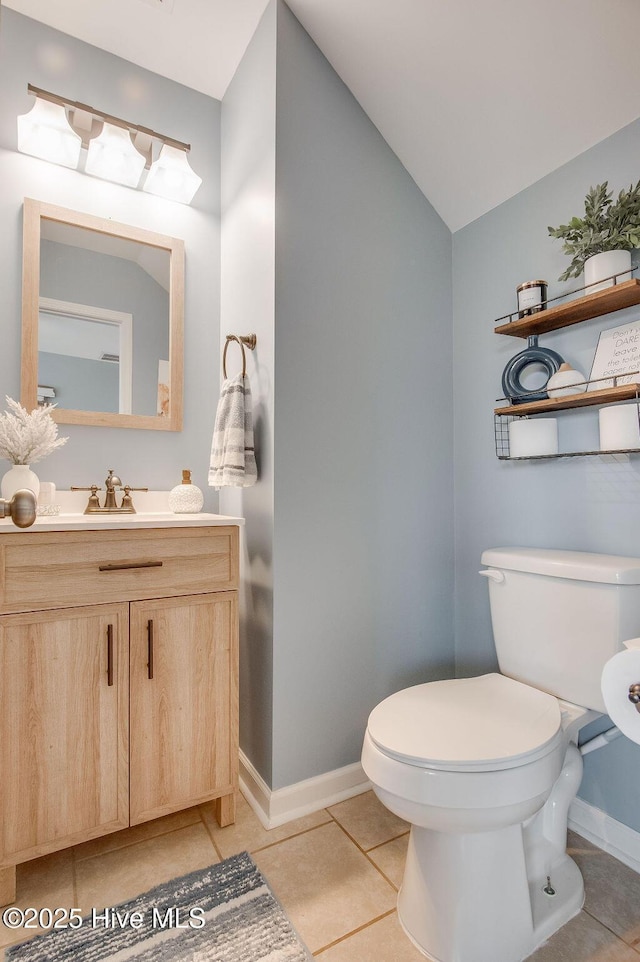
x: 558, y: 616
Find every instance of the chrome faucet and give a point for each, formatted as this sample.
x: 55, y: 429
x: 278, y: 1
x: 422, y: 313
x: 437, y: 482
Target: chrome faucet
x: 110, y: 504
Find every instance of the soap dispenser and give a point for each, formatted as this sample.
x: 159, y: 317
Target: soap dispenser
x: 186, y: 498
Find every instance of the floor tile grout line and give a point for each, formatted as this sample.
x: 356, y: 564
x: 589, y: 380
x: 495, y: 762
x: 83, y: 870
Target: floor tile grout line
x: 205, y: 822
x: 365, y: 852
x: 304, y: 831
x: 74, y: 877
x: 121, y: 848
x: 620, y: 938
x: 381, y: 844
x: 348, y: 935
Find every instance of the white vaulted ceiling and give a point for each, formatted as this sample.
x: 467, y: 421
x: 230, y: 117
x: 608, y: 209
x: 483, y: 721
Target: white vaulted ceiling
x: 478, y: 98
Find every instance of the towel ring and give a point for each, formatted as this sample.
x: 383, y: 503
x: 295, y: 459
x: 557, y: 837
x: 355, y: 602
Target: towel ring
x: 249, y: 340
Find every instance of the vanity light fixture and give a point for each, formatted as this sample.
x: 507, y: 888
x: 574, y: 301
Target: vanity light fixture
x: 112, y: 156
x: 45, y: 132
x: 171, y: 176
x: 73, y: 134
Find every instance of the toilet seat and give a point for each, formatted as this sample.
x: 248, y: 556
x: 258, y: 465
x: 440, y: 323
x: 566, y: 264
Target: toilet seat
x: 483, y: 724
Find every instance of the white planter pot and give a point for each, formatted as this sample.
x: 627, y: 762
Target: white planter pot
x: 605, y: 265
x: 19, y: 476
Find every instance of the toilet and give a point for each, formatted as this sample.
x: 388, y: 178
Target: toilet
x: 484, y: 769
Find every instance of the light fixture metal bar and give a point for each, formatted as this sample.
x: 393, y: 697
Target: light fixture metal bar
x: 108, y: 118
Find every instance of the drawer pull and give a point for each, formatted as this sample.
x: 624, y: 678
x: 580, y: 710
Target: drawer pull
x: 123, y: 566
x: 150, y: 648
x: 110, y: 655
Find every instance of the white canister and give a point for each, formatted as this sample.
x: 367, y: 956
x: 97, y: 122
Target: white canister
x: 531, y: 438
x: 619, y: 427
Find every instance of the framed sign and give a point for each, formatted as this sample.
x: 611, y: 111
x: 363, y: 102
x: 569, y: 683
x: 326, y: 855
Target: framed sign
x: 617, y: 355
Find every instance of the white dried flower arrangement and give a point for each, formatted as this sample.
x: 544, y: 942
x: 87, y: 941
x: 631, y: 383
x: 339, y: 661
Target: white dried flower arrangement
x: 27, y: 438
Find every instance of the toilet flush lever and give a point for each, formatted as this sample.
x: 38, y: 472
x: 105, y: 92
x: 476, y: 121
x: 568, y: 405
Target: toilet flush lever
x: 493, y: 575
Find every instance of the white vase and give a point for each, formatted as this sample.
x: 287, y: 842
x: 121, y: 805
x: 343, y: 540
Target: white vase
x: 565, y: 382
x: 605, y: 265
x: 19, y: 476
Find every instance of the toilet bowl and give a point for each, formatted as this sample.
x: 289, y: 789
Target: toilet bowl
x: 470, y: 754
x: 484, y: 769
x: 469, y: 763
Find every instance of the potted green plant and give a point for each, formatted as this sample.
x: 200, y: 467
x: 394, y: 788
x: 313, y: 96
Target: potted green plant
x: 600, y: 243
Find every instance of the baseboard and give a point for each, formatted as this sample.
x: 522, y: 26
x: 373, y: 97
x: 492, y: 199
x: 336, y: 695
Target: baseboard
x: 274, y: 808
x: 604, y: 831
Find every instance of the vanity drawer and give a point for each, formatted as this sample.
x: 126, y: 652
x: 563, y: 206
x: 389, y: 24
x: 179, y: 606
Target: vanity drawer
x: 62, y: 569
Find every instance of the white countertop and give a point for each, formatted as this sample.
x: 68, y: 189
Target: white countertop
x: 152, y: 511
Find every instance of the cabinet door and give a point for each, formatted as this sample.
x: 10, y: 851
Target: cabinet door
x: 63, y: 728
x: 184, y: 702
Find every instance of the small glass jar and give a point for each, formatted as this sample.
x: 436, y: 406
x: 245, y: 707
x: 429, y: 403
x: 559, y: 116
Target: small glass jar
x: 532, y: 297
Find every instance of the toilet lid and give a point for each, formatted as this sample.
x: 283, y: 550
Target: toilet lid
x: 467, y: 724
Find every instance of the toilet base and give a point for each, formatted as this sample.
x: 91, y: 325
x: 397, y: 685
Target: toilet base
x: 467, y: 898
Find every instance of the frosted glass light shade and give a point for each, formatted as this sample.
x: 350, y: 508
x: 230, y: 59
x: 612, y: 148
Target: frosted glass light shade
x: 112, y: 156
x: 171, y: 176
x: 45, y: 132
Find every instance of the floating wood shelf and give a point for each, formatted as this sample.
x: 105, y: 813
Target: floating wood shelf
x: 609, y: 395
x: 608, y: 301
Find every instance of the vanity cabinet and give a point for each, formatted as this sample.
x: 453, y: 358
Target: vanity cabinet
x: 118, y: 682
x: 64, y: 728
x: 182, y: 677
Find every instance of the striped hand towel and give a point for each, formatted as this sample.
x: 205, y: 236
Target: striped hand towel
x: 233, y: 462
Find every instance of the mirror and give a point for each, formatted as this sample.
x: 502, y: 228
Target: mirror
x: 102, y: 320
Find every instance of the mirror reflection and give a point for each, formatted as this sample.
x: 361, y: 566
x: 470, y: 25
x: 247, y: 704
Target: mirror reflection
x: 102, y: 326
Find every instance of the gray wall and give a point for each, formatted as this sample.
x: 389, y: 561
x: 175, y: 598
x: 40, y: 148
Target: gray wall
x: 33, y: 53
x: 363, y: 449
x: 355, y: 446
x: 247, y: 306
x: 590, y: 504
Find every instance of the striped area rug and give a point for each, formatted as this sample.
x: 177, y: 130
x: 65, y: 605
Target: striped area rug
x: 225, y: 913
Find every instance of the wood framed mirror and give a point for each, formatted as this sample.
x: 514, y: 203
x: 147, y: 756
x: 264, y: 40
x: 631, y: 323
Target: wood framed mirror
x: 102, y: 320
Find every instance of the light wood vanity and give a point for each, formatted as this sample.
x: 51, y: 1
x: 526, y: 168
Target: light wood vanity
x: 118, y: 681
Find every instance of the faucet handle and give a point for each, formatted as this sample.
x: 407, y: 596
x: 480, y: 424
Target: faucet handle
x: 127, y: 500
x: 94, y: 501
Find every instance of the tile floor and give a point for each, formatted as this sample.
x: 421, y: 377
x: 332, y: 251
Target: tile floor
x: 336, y: 873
